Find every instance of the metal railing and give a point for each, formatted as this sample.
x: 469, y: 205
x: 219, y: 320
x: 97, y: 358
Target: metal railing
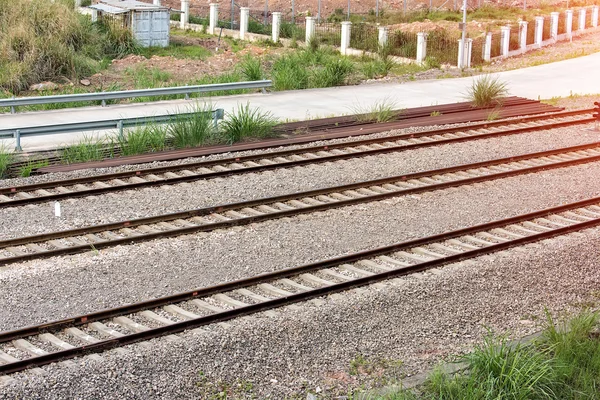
x: 119, y: 123
x: 129, y: 94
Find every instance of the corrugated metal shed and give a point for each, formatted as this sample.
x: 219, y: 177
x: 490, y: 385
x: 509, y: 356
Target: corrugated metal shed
x: 149, y: 23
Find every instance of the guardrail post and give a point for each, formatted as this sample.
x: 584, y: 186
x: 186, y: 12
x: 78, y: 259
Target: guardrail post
x: 17, y: 136
x: 213, y: 19
x: 487, y: 49
x: 582, y: 16
x: 539, y: 31
x: 244, y: 13
x: 120, y: 127
x: 219, y: 113
x: 505, y: 38
x: 383, y: 36
x: 185, y: 17
x: 554, y: 25
x: 523, y: 36
x: 346, y: 32
x: 421, y: 47
x: 276, y: 26
x: 569, y: 23
x: 595, y: 10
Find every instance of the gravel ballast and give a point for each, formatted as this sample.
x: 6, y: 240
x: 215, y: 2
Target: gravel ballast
x: 43, y: 290
x: 401, y: 328
x: 114, y: 207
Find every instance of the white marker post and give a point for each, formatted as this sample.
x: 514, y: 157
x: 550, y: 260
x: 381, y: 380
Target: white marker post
x: 57, y: 209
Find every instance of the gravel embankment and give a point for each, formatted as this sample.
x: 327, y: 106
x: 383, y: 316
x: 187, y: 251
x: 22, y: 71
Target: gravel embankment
x: 44, y: 290
x: 133, y: 204
x: 402, y: 328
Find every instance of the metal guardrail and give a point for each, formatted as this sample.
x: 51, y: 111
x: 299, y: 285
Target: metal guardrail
x: 128, y: 94
x: 119, y: 123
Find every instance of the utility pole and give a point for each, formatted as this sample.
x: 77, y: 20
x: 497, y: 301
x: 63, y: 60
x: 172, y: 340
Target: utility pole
x: 464, y: 35
x: 348, y: 10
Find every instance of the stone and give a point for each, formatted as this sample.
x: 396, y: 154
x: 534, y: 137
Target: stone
x: 44, y: 86
x: 85, y: 82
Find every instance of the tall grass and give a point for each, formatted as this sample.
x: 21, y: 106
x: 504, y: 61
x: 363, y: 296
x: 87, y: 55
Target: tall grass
x: 44, y: 40
x: 195, y: 131
x: 87, y: 149
x: 383, y: 110
x: 251, y: 68
x: 6, y: 158
x: 486, y: 91
x: 246, y: 122
x: 141, y: 139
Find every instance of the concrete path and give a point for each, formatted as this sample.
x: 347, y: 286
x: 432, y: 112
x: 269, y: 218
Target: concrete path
x: 574, y: 76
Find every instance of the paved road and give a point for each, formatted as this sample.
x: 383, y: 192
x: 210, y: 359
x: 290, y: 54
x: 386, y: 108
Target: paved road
x: 574, y: 76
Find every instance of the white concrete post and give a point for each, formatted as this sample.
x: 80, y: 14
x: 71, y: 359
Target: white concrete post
x: 554, y: 25
x: 487, y: 50
x: 421, y: 47
x: 582, y: 16
x: 94, y: 15
x: 346, y: 31
x: 276, y: 26
x: 244, y: 14
x: 504, y: 40
x: 569, y: 23
x: 310, y: 29
x: 469, y: 50
x: 523, y: 35
x: 383, y: 36
x: 595, y: 10
x: 156, y: 2
x: 213, y: 18
x: 77, y: 3
x: 539, y: 31
x: 462, y: 57
x: 185, y: 17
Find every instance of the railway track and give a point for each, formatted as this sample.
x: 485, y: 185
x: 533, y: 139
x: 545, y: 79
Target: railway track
x: 98, y: 184
x: 246, y: 212
x: 95, y: 332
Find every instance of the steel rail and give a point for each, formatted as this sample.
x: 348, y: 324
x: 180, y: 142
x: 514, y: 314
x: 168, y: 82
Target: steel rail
x: 518, y: 230
x: 327, y: 134
x: 328, y: 156
x: 252, y: 211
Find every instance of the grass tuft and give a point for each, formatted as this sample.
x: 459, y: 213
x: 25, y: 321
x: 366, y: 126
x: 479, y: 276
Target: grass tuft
x: 383, y: 110
x: 27, y: 169
x: 251, y: 68
x: 486, y: 91
x: 246, y: 122
x: 88, y: 149
x: 141, y: 139
x: 195, y: 131
x: 6, y: 158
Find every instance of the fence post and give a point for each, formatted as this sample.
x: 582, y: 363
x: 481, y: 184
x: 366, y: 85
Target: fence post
x: 77, y: 3
x: 213, y: 18
x: 383, y: 35
x: 487, y: 49
x: 185, y: 17
x: 310, y: 29
x: 244, y: 13
x: 94, y: 15
x: 156, y: 2
x: 569, y: 23
x: 469, y: 50
x: 505, y: 40
x: 421, y: 47
x: 275, y: 27
x: 345, y: 42
x: 554, y: 25
x: 17, y: 137
x: 523, y: 36
x: 595, y: 15
x: 539, y: 31
x: 582, y: 16
x: 461, y: 54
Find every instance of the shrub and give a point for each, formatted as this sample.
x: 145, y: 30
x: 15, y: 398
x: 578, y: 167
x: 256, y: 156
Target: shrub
x: 194, y: 131
x: 486, y: 91
x: 246, y: 122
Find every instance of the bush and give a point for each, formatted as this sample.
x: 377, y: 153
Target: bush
x: 246, y: 122
x: 486, y: 91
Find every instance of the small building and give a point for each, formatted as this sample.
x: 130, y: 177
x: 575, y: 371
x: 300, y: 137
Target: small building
x: 149, y: 23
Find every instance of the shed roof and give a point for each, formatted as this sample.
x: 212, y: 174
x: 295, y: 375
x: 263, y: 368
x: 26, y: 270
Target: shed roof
x: 123, y: 6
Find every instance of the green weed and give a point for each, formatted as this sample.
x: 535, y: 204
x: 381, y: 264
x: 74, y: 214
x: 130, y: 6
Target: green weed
x: 6, y: 158
x: 382, y: 111
x: 486, y: 91
x: 195, y: 131
x: 251, y: 68
x: 141, y: 139
x: 246, y: 122
x: 88, y: 149
x: 27, y: 169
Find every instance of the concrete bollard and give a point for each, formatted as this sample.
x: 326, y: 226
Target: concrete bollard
x: 185, y: 16
x: 310, y: 29
x: 156, y: 2
x: 539, y: 31
x: 523, y: 36
x: 469, y: 52
x: 421, y: 47
x: 276, y: 26
x: 595, y: 10
x: 504, y: 40
x: 487, y: 49
x: 554, y: 25
x: 581, y: 25
x: 244, y: 14
x: 569, y: 23
x: 213, y: 18
x: 345, y: 42
x: 383, y: 36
